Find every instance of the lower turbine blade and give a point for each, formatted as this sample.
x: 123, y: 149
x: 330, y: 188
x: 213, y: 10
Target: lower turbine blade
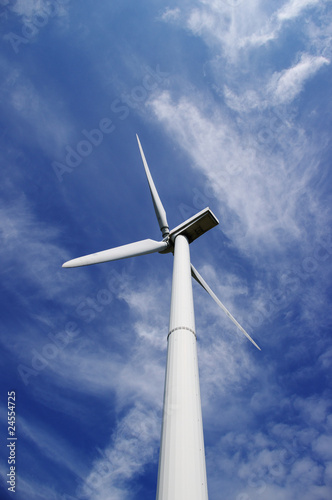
x: 131, y: 250
x: 195, y: 274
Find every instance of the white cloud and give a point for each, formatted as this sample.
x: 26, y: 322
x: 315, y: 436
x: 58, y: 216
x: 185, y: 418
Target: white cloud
x: 47, y: 123
x: 323, y: 447
x: 235, y: 36
x: 257, y: 188
x: 223, y: 26
x: 146, y: 302
x: 170, y: 15
x: 277, y: 466
x: 314, y: 409
x: 293, y: 8
x: 30, y: 8
x: 281, y: 88
x: 244, y: 101
x: 31, y: 250
x: 328, y: 473
x: 306, y: 472
x: 201, y: 21
x: 253, y: 24
x: 226, y: 365
x: 133, y: 446
x: 287, y: 84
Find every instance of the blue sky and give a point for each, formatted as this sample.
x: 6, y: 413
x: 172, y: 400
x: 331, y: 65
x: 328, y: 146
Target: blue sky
x: 232, y: 103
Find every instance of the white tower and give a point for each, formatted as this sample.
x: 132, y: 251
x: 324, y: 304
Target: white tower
x: 182, y: 471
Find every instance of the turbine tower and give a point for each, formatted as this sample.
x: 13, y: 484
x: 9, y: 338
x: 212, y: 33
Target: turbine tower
x: 182, y: 470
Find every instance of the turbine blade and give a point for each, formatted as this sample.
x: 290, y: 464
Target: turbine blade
x: 158, y: 206
x: 123, y: 252
x: 195, y: 274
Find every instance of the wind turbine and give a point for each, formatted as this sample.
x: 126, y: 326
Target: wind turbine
x: 182, y: 469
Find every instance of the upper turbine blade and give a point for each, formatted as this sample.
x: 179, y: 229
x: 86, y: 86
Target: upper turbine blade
x: 131, y: 250
x: 158, y: 206
x: 195, y: 274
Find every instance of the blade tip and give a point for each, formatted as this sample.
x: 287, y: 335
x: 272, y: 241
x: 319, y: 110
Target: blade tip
x: 67, y: 264
x: 256, y: 345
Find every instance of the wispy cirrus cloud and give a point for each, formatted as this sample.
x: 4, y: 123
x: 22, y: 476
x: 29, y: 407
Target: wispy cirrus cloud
x: 222, y: 152
x: 132, y: 447
x: 293, y: 8
x: 39, y: 263
x: 287, y: 84
x: 234, y: 35
x: 171, y: 14
x: 41, y: 114
x: 281, y: 88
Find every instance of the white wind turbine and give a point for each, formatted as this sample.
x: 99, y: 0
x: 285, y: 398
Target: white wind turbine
x: 182, y: 470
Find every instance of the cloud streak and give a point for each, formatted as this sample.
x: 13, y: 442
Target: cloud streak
x: 287, y: 85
